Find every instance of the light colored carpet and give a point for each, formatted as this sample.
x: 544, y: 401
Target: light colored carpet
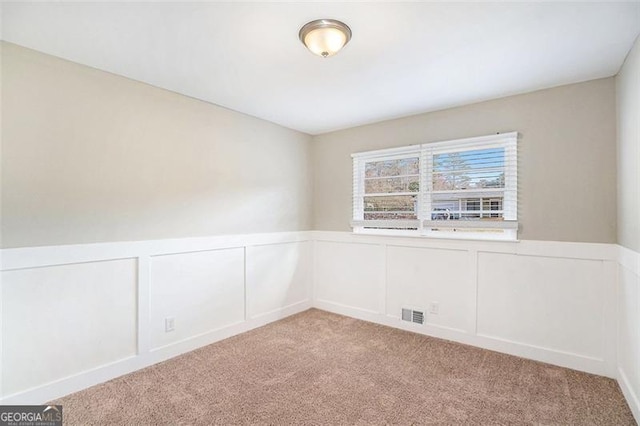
x: 321, y: 368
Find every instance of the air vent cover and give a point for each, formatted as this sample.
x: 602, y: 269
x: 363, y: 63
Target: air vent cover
x: 414, y: 316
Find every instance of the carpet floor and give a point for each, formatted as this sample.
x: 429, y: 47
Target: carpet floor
x: 320, y: 368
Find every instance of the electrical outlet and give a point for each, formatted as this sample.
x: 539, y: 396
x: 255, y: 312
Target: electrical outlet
x: 434, y: 308
x: 169, y: 324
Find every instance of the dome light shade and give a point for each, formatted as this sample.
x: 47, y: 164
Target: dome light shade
x: 325, y: 37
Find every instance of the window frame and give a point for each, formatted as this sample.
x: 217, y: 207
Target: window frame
x: 424, y: 225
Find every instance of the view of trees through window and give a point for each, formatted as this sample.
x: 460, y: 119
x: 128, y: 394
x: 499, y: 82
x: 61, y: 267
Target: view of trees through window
x: 448, y: 189
x: 391, y: 189
x: 469, y: 170
x: 465, y: 185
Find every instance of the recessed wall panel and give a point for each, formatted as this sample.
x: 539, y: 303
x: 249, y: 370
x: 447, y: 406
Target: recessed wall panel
x: 58, y: 321
x: 553, y: 303
x: 351, y: 275
x: 629, y: 326
x: 278, y: 275
x: 422, y: 278
x: 199, y: 292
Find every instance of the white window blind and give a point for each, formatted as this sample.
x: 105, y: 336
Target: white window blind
x: 386, y: 189
x: 462, y: 188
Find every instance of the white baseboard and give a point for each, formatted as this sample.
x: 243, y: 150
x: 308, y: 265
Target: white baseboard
x: 629, y: 394
x: 86, y: 379
x: 550, y: 356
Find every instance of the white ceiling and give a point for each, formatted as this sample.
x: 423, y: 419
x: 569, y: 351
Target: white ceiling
x: 404, y: 58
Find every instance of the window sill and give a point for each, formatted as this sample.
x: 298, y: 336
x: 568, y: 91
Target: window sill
x: 417, y: 235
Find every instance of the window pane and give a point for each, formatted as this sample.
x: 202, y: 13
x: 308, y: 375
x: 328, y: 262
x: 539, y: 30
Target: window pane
x: 444, y: 210
x: 390, y: 216
x: 468, y: 180
x: 475, y: 169
x: 405, y: 166
x: 492, y: 204
x: 469, y: 216
x: 472, y: 204
x: 393, y: 205
x: 390, y: 185
x: 467, y: 208
x: 465, y: 160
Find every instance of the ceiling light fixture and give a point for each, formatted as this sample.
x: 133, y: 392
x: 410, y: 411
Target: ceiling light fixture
x: 325, y: 37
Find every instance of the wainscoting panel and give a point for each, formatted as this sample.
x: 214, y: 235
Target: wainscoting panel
x: 549, y: 301
x: 278, y: 275
x: 629, y: 327
x: 58, y: 321
x: 434, y: 281
x: 74, y: 316
x: 553, y: 303
x: 77, y: 315
x: 350, y: 275
x: 201, y: 292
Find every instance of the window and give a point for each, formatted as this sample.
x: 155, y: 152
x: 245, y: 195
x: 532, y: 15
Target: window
x: 464, y: 188
x: 391, y: 188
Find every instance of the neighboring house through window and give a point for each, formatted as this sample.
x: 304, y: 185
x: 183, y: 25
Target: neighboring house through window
x: 462, y: 188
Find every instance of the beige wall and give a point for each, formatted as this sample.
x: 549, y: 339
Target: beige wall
x: 628, y: 97
x: 88, y: 156
x: 567, y: 158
